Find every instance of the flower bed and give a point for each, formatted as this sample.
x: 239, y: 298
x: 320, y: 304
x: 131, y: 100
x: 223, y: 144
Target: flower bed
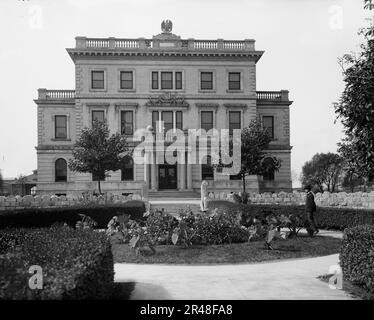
x: 327, y: 218
x: 76, y: 264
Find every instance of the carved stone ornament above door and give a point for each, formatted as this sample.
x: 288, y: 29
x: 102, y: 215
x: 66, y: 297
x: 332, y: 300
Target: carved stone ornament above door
x: 167, y: 99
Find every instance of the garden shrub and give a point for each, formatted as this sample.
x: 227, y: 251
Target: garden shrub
x: 327, y: 218
x: 9, y: 239
x: 140, y: 235
x: 357, y: 256
x: 76, y: 264
x: 46, y: 217
x: 214, y: 228
x: 160, y: 226
x: 241, y: 197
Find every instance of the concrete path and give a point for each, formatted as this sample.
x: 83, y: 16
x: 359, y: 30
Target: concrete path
x: 287, y: 279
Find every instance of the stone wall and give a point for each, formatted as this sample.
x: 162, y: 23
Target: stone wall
x: 18, y: 202
x: 359, y: 200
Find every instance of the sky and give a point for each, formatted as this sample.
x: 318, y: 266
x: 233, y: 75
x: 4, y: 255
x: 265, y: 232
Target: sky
x: 302, y: 40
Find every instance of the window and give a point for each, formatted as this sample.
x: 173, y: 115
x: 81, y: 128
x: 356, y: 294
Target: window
x: 269, y: 175
x: 178, y: 80
x: 234, y: 80
x: 97, y: 115
x: 126, y: 80
x: 234, y: 121
x: 154, y: 80
x: 206, y: 81
x: 96, y: 176
x: 167, y: 118
x: 268, y: 124
x: 166, y: 80
x: 207, y: 172
x: 236, y: 177
x: 97, y: 78
x: 61, y: 130
x: 61, y: 170
x: 179, y: 120
x: 127, y: 122
x: 206, y: 120
x: 154, y: 121
x: 127, y: 171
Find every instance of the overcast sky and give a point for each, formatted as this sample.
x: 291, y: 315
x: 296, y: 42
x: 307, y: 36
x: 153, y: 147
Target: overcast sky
x: 302, y: 40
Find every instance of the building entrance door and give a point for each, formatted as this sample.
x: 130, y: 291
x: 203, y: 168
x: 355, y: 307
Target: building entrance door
x: 167, y: 176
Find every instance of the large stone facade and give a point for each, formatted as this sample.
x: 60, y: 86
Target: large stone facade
x: 213, y: 79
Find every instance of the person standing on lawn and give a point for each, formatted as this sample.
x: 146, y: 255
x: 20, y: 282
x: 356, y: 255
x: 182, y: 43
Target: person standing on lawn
x: 310, y: 209
x: 204, y: 195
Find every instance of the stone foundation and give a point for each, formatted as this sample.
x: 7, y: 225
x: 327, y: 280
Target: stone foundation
x: 359, y: 200
x: 46, y: 201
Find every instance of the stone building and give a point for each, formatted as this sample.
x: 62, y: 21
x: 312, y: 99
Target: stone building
x: 137, y: 83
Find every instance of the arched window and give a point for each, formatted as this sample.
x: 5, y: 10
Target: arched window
x: 207, y: 172
x: 269, y: 174
x: 127, y: 171
x: 61, y: 170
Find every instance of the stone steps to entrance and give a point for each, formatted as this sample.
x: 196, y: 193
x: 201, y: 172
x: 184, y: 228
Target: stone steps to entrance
x: 172, y: 194
x: 171, y: 201
x: 173, y: 206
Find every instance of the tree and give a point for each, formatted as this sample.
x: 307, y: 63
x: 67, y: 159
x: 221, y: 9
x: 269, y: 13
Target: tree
x: 254, y: 142
x: 97, y: 153
x: 355, y: 108
x: 21, y: 180
x: 322, y: 170
x: 355, y: 173
x: 1, y: 184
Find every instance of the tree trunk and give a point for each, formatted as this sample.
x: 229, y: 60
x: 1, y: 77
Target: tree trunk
x: 365, y: 183
x: 243, y: 179
x: 99, y: 186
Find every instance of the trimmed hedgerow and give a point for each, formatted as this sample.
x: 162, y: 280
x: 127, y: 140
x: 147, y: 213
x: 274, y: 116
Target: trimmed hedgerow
x: 46, y: 217
x: 327, y: 218
x: 76, y: 264
x: 357, y: 256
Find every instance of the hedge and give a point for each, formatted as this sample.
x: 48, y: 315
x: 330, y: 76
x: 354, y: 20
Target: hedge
x: 76, y: 264
x: 357, y: 256
x: 326, y: 218
x: 46, y: 217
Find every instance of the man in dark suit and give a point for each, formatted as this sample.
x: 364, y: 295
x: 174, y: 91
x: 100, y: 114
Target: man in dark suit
x: 310, y: 209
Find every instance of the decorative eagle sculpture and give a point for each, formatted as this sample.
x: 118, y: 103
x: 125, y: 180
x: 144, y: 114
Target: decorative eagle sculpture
x: 166, y: 26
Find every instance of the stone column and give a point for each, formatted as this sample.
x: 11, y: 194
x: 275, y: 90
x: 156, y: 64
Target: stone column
x: 189, y: 176
x: 182, y: 170
x: 174, y: 121
x: 146, y: 157
x: 153, y: 174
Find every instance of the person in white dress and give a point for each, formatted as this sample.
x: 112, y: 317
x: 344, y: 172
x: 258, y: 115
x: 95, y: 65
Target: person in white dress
x: 204, y: 195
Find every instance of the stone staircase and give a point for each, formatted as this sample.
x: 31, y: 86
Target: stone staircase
x: 173, y: 208
x: 171, y: 201
x: 172, y: 194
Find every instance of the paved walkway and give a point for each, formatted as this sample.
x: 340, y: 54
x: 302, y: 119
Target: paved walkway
x: 287, y: 279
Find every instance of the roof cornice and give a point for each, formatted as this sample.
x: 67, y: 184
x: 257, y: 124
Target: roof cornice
x: 118, y: 54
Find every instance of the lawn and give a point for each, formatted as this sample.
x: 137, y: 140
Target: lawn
x: 249, y: 252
